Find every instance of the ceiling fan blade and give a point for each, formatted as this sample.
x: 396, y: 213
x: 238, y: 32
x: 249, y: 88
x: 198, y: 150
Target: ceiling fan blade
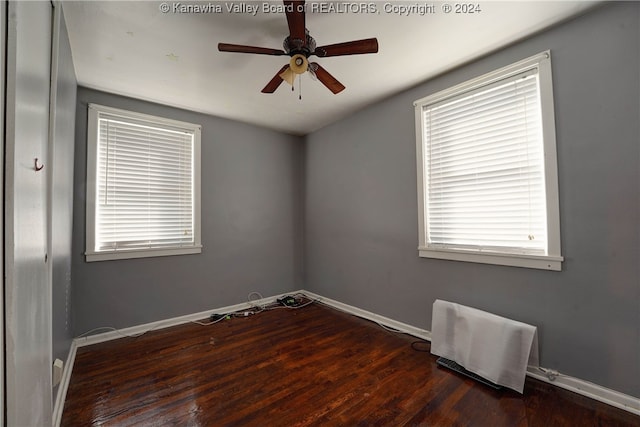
x: 227, y: 47
x: 327, y: 79
x: 275, y: 81
x: 356, y: 47
x: 296, y: 20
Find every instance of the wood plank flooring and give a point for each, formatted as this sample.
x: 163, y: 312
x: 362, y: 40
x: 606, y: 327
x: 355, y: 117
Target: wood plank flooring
x: 313, y: 366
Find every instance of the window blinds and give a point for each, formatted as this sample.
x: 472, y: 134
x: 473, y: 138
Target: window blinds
x: 484, y: 166
x: 145, y: 197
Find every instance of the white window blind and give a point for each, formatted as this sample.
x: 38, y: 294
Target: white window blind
x: 145, y: 194
x: 485, y: 174
x: 487, y: 169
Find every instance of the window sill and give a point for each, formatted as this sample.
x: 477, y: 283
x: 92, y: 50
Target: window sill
x: 541, y: 262
x: 143, y: 253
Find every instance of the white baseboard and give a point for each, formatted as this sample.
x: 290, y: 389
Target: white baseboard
x: 402, y: 327
x: 161, y: 324
x: 64, y: 385
x: 136, y: 330
x: 591, y: 390
x: 576, y: 385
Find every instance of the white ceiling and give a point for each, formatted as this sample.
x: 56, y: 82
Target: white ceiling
x: 134, y: 49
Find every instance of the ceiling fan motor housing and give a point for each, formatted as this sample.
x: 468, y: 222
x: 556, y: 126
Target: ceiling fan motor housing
x: 296, y: 46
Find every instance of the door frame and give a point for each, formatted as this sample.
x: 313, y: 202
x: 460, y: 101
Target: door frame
x: 26, y: 282
x: 3, y: 56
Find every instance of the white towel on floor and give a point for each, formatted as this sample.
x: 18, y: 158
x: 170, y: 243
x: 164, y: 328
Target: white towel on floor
x: 491, y: 346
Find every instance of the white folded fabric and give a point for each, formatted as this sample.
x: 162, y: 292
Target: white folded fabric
x: 494, y: 347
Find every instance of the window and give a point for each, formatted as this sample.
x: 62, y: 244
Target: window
x: 143, y: 186
x: 487, y: 169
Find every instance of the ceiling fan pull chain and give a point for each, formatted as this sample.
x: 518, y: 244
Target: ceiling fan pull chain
x: 300, y: 87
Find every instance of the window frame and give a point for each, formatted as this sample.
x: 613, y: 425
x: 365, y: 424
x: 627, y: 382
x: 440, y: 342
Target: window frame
x: 94, y: 113
x: 552, y: 260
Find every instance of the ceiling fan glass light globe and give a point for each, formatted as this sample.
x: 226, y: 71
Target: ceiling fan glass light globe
x: 298, y: 63
x: 288, y: 76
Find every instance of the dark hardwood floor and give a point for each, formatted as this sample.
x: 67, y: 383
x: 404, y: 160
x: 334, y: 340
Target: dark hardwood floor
x: 311, y: 366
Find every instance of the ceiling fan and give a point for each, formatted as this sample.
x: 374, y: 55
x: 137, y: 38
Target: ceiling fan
x: 299, y: 45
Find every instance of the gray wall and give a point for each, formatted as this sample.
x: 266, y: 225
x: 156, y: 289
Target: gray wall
x: 361, y: 209
x: 251, y: 228
x: 62, y: 196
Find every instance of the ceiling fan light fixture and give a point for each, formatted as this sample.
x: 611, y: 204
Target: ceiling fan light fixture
x: 298, y: 63
x: 288, y: 76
